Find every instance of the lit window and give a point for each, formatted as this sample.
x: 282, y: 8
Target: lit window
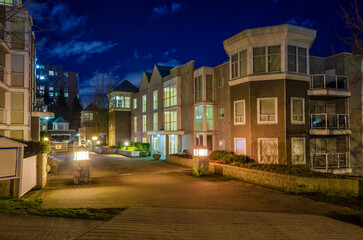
x: 156, y: 144
x: 209, y: 117
x: 41, y: 87
x: 51, y: 73
x: 296, y: 58
x: 135, y: 124
x: 222, y: 144
x: 240, y: 146
x: 87, y: 116
x: 155, y: 99
x: 297, y: 110
x: 42, y: 77
x: 221, y: 82
x: 268, y: 151
x: 243, y: 63
x: 239, y: 112
x: 198, y: 89
x: 198, y: 118
x: 298, y: 150
x: 144, y: 140
x: 144, y: 103
x: 170, y: 96
x: 60, y: 127
x: 267, y: 110
x: 144, y: 123
x: 66, y: 74
x: 51, y: 94
x: 127, y: 102
x: 156, y: 120
x: 66, y: 94
x: 171, y: 120
x: 221, y: 113
x: 135, y: 103
x: 51, y: 88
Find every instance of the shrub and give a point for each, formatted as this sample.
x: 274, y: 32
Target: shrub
x: 34, y: 148
x: 112, y: 147
x: 228, y: 157
x: 182, y: 155
x: 131, y: 149
x: 141, y: 146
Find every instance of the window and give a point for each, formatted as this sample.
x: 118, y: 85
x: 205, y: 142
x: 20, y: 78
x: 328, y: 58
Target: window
x: 144, y: 140
x: 221, y: 113
x: 274, y: 59
x: 66, y: 95
x: 199, y: 118
x: 156, y: 144
x: 66, y: 74
x: 209, y: 87
x: 298, y: 150
x: 17, y: 108
x: 222, y: 144
x: 171, y: 120
x: 297, y: 58
x: 209, y: 117
x: 135, y: 124
x: 135, y: 139
x: 51, y: 88
x: 240, y: 146
x: 297, y: 110
x: 17, y: 134
x: 268, y: 150
x: 41, y: 87
x: 135, y: 103
x: 156, y: 120
x: 17, y: 70
x: 144, y: 123
x: 60, y: 126
x: 144, y: 103
x: 18, y: 33
x: 51, y: 73
x: 173, y: 144
x: 87, y: 116
x: 198, y: 89
x: 127, y: 102
x: 259, y: 60
x: 221, y: 82
x: 239, y: 64
x: 267, y: 110
x: 239, y: 112
x: 155, y: 98
x: 51, y: 94
x: 170, y: 93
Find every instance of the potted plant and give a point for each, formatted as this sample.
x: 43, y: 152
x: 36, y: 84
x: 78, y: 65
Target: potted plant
x: 156, y: 155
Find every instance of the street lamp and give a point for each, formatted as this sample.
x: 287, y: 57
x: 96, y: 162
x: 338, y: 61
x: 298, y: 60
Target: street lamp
x: 81, y: 166
x: 46, y: 139
x: 200, y: 161
x: 94, y: 138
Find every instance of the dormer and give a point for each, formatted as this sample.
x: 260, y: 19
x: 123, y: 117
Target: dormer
x: 269, y: 50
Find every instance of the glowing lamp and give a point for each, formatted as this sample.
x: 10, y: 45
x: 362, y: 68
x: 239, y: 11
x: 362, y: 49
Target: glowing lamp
x: 94, y: 138
x: 201, y: 151
x: 46, y: 139
x: 98, y: 142
x: 82, y: 155
x: 88, y: 141
x: 126, y: 144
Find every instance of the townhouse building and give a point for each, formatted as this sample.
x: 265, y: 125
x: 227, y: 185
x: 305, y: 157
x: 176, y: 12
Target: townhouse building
x: 17, y: 75
x: 271, y: 101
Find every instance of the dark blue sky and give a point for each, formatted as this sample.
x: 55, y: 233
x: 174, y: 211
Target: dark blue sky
x: 126, y: 37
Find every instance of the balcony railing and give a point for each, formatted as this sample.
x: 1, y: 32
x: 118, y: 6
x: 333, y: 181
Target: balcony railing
x: 326, y: 81
x: 2, y: 115
x: 330, y: 160
x: 329, y: 121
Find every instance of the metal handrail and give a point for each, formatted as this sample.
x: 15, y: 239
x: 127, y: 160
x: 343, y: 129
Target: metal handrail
x: 326, y: 164
x: 328, y: 81
x: 330, y: 121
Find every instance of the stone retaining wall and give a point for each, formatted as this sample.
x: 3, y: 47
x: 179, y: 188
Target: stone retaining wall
x: 286, y: 183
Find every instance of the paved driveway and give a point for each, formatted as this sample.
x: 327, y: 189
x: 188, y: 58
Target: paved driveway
x: 166, y: 202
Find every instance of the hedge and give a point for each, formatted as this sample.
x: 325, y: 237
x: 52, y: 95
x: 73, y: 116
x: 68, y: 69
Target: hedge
x: 34, y: 148
x: 228, y: 157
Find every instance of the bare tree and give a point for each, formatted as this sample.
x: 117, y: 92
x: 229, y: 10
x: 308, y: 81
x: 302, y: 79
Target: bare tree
x: 354, y: 22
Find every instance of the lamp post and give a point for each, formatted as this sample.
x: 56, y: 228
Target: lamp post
x: 200, y: 161
x: 81, y: 166
x: 94, y: 138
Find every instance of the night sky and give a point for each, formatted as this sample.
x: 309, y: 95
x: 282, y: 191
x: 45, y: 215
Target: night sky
x: 125, y: 38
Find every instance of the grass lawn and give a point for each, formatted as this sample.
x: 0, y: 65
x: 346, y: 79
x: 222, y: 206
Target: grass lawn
x: 33, y: 207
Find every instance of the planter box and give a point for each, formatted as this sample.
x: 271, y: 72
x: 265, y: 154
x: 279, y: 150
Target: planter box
x: 185, y: 162
x: 287, y: 183
x: 132, y: 154
x: 110, y: 150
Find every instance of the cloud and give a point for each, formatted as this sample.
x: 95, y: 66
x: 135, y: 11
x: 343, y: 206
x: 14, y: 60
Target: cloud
x: 167, y: 53
x: 135, y: 54
x: 296, y: 20
x: 148, y: 56
x: 62, y: 19
x: 82, y: 49
x: 134, y: 77
x: 170, y: 63
x: 165, y: 9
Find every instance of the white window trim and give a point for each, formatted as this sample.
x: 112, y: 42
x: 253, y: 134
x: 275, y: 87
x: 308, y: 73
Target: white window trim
x: 244, y: 112
x: 259, y: 122
x: 259, y: 150
x: 292, y: 112
x: 219, y: 117
x: 304, y: 146
x: 234, y: 143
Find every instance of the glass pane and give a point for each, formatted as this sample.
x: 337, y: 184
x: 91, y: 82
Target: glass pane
x: 259, y: 64
x: 291, y: 50
x: 302, y: 52
x: 17, y: 117
x: 291, y: 63
x: 302, y: 64
x: 17, y: 101
x: 267, y: 106
x: 297, y: 106
x: 235, y: 58
x: 274, y: 63
x: 259, y: 51
x: 243, y: 67
x: 274, y: 50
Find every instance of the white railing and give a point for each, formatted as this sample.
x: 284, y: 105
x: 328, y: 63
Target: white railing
x: 2, y: 115
x: 326, y: 81
x: 329, y: 121
x: 330, y: 160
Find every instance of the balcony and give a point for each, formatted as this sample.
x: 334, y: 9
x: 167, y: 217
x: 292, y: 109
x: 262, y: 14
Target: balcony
x: 336, y: 162
x: 329, y: 124
x: 4, y: 41
x: 328, y: 85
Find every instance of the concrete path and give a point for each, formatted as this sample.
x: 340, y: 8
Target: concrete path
x: 165, y: 202
x: 33, y: 227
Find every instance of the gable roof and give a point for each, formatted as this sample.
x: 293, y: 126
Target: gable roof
x: 126, y: 86
x: 164, y: 70
x: 148, y: 75
x: 9, y: 142
x: 91, y: 107
x: 60, y: 120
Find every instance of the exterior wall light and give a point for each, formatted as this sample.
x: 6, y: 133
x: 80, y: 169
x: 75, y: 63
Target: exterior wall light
x: 81, y: 155
x: 201, y: 151
x: 94, y: 138
x: 46, y: 139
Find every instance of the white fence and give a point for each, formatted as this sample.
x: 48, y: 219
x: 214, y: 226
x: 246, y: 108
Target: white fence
x: 28, y: 177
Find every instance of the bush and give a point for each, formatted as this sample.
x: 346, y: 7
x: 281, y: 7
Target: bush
x: 131, y: 149
x: 112, y: 147
x: 228, y: 157
x: 182, y: 155
x: 34, y: 148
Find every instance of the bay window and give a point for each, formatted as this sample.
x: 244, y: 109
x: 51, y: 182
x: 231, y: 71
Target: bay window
x: 144, y: 103
x: 297, y: 59
x: 198, y: 89
x: 155, y: 99
x: 170, y: 120
x: 209, y: 117
x: 170, y: 96
x: 259, y: 60
x: 198, y: 118
x: 239, y: 112
x: 267, y: 110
